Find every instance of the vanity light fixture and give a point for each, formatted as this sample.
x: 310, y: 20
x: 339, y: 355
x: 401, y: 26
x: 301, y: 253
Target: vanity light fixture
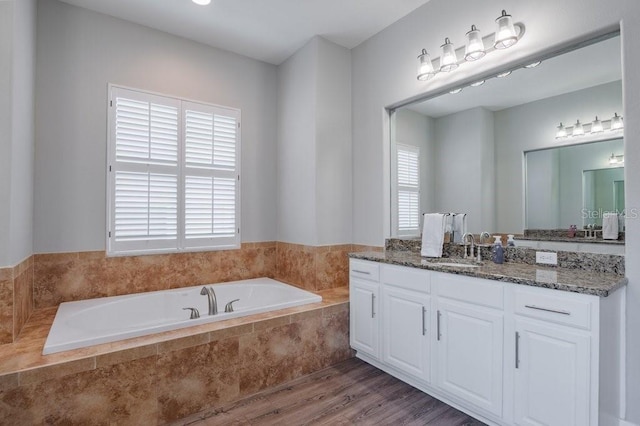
x: 503, y: 74
x: 616, y: 159
x: 201, y: 2
x: 474, y: 49
x: 506, y: 35
x: 449, y: 60
x: 562, y: 132
x: 533, y: 64
x: 593, y: 128
x: 596, y: 126
x: 616, y: 122
x: 455, y: 91
x: 425, y: 67
x: 477, y: 83
x: 577, y: 129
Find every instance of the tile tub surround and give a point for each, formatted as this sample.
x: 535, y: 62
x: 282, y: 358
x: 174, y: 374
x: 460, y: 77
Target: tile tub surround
x: 574, y: 280
x: 167, y: 376
x: 16, y: 299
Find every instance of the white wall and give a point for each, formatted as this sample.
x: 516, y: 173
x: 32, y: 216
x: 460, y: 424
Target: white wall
x: 78, y: 53
x: 314, y: 145
x: 384, y: 70
x: 17, y: 79
x: 532, y: 126
x: 464, y: 173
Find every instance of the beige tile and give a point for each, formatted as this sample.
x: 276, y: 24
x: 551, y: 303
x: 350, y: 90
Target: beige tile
x: 231, y: 332
x: 126, y: 355
x: 270, y: 323
x: 8, y: 381
x: 55, y: 371
x: 183, y: 342
x: 6, y: 309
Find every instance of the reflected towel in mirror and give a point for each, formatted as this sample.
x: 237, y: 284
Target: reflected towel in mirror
x: 609, y: 226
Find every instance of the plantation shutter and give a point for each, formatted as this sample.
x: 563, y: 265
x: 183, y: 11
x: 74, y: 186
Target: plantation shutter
x: 211, y: 175
x: 408, y: 166
x: 173, y: 174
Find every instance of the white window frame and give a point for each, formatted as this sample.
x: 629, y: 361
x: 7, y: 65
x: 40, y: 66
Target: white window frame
x: 407, y: 188
x: 181, y: 243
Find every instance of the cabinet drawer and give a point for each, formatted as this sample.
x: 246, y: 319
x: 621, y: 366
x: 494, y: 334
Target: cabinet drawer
x: 405, y: 277
x: 364, y: 269
x: 469, y: 289
x: 553, y: 305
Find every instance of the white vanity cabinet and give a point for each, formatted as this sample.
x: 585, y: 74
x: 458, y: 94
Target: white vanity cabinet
x: 364, y: 291
x: 469, y: 341
x: 508, y: 354
x: 554, y: 375
x: 406, y: 325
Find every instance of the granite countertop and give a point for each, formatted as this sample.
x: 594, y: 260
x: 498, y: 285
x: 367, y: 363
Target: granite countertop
x: 570, y: 240
x: 574, y: 280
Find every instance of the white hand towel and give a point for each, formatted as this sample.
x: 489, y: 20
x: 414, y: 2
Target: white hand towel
x: 459, y: 226
x: 609, y: 226
x: 432, y: 235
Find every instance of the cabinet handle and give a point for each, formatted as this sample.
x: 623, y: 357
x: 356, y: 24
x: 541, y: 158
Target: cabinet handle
x: 517, y: 349
x: 547, y: 310
x: 424, y: 329
x: 361, y: 272
x: 373, y: 297
x: 438, y: 325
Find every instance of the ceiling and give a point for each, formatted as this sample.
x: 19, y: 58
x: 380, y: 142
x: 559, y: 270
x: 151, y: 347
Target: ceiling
x: 590, y: 66
x: 267, y: 30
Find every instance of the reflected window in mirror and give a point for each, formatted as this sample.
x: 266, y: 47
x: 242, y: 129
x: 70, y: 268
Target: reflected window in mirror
x: 408, y: 164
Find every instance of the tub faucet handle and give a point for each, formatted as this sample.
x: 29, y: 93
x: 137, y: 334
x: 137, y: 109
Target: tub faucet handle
x: 229, y: 306
x: 194, y: 313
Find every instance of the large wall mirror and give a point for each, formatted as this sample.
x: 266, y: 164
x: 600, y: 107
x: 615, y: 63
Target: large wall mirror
x: 490, y: 150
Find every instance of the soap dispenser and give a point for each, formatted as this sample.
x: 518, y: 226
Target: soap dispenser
x: 498, y: 251
x: 510, y: 241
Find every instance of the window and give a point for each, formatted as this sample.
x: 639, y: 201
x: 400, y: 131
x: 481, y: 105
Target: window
x: 408, y: 169
x: 173, y: 174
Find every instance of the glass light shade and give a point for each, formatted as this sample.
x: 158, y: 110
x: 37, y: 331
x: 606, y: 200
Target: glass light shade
x: 577, y: 129
x: 455, y: 91
x: 562, y: 132
x: 616, y: 122
x: 474, y: 49
x: 201, y: 2
x: 505, y: 33
x: 533, y: 64
x: 596, y: 126
x: 503, y: 74
x: 425, y: 67
x: 477, y: 83
x: 448, y: 60
x: 613, y: 159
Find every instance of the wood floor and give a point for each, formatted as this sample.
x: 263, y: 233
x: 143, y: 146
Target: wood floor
x: 352, y: 392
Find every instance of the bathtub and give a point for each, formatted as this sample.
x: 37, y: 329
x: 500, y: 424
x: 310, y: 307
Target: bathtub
x: 108, y: 319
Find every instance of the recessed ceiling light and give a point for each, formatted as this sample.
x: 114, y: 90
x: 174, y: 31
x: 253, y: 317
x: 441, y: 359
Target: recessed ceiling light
x: 201, y: 2
x: 533, y: 65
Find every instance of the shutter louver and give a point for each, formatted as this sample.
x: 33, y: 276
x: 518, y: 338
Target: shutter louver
x: 209, y: 207
x: 408, y: 189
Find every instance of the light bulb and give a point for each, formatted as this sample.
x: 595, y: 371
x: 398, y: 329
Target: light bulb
x: 562, y: 132
x: 596, y: 126
x: 449, y: 60
x: 425, y: 67
x: 505, y: 33
x: 475, y: 47
x: 577, y: 129
x: 616, y: 122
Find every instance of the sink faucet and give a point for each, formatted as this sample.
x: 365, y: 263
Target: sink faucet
x: 213, y: 302
x: 484, y: 235
x: 464, y: 241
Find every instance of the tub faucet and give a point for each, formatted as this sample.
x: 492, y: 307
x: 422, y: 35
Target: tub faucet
x: 213, y: 302
x: 464, y: 241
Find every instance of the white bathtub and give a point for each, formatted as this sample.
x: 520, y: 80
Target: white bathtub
x: 108, y: 319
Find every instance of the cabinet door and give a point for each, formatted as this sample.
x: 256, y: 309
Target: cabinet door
x: 552, y: 375
x: 406, y: 330
x: 363, y: 311
x: 469, y: 340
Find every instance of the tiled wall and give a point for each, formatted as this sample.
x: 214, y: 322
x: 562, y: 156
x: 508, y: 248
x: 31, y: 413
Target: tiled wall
x: 164, y: 382
x: 16, y: 299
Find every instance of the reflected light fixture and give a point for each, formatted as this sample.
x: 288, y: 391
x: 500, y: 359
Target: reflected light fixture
x: 562, y: 132
x: 596, y: 126
x: 503, y: 74
x: 449, y: 60
x: 505, y: 33
x: 616, y: 122
x: 616, y: 159
x: 577, y: 129
x: 474, y: 49
x: 201, y: 2
x: 425, y: 67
